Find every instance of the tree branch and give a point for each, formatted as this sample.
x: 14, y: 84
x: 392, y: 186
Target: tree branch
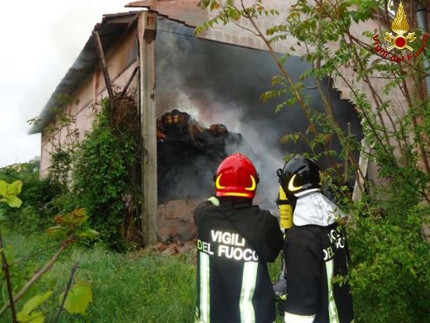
x: 36, y: 276
x: 69, y: 284
x: 8, y: 280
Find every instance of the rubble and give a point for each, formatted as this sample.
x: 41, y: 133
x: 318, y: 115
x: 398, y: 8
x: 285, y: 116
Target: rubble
x: 173, y: 248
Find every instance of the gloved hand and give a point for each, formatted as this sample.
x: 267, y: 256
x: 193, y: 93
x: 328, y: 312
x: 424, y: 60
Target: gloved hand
x: 280, y: 291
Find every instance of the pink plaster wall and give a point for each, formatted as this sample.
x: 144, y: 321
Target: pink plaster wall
x: 83, y: 105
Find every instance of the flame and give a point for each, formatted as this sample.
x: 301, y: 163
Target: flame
x: 400, y: 24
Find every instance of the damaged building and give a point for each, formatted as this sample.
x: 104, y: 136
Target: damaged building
x: 198, y: 101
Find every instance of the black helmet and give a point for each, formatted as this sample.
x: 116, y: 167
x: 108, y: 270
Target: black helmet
x: 299, y: 174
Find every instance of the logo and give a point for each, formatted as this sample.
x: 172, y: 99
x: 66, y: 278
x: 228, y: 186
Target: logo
x: 399, y: 41
x: 400, y: 26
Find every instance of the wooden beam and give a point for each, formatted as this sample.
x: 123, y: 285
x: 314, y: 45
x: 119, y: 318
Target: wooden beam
x: 133, y: 74
x: 146, y: 33
x: 101, y: 55
x: 363, y: 164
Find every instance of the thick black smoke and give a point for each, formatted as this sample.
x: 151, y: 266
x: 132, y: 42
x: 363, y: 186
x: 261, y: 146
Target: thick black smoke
x: 219, y: 83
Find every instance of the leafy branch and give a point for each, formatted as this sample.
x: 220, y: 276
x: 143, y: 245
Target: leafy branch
x: 69, y: 229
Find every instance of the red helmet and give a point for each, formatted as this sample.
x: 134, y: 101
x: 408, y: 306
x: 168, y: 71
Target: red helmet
x: 236, y: 176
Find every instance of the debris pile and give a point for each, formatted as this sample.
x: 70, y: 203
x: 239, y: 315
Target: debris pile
x: 174, y: 248
x: 188, y: 155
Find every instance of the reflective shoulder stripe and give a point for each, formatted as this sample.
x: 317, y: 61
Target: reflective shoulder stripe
x: 214, y: 200
x: 294, y: 318
x: 205, y: 301
x: 249, y: 279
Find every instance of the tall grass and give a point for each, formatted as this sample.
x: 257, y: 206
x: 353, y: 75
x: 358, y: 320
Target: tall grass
x: 126, y: 287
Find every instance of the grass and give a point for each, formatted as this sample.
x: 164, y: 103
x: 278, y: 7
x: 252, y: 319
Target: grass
x: 132, y: 287
x: 126, y: 287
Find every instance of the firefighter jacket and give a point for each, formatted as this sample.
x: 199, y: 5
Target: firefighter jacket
x: 235, y: 241
x: 315, y: 252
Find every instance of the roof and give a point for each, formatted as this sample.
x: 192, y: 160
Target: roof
x: 113, y: 25
x: 109, y: 29
x: 183, y: 11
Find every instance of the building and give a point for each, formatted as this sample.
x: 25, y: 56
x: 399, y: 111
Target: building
x: 143, y: 49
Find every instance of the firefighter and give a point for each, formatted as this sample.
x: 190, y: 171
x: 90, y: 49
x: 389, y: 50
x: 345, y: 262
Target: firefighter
x: 235, y: 240
x: 315, y: 250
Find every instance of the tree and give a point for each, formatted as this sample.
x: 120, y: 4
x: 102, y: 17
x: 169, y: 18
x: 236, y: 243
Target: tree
x: 389, y: 250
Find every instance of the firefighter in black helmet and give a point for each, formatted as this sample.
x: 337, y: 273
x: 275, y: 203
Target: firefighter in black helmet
x: 315, y: 249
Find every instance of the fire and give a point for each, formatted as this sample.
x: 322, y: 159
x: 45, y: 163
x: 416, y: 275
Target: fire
x: 400, y: 24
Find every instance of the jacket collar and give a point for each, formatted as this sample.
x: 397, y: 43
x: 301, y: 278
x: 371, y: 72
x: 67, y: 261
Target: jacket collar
x: 314, y: 208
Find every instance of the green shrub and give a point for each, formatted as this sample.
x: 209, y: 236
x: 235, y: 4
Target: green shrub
x: 102, y: 173
x: 390, y: 276
x: 38, y: 195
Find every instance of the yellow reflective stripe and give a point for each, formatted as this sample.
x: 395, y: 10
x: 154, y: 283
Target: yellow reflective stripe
x: 217, y: 184
x: 253, y: 185
x: 249, y: 279
x: 291, y: 186
x: 214, y: 200
x: 237, y: 194
x: 204, y: 288
x: 332, y: 309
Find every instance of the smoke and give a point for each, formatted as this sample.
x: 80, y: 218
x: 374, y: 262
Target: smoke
x: 219, y: 83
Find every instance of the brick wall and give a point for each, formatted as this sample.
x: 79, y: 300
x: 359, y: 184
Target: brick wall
x: 175, y: 220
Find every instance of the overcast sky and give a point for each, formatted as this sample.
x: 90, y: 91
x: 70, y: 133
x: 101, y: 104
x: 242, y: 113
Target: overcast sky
x: 40, y: 41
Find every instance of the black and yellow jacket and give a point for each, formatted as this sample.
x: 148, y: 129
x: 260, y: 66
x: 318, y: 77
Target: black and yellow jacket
x: 235, y: 240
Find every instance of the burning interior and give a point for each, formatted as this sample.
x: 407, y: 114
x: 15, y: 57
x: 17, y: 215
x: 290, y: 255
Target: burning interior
x: 208, y: 107
x: 187, y: 152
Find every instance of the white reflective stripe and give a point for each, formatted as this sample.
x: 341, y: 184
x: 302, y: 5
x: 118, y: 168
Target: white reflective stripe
x: 249, y: 279
x: 295, y: 318
x: 332, y: 309
x: 204, y: 288
x: 312, y: 190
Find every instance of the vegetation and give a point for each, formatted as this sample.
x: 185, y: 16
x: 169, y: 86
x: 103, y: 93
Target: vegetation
x: 100, y: 173
x: 132, y: 287
x: 390, y: 273
x: 69, y: 229
x: 106, y: 174
x: 38, y: 208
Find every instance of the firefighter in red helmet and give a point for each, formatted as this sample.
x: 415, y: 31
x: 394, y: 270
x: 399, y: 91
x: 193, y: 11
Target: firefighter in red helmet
x: 235, y: 240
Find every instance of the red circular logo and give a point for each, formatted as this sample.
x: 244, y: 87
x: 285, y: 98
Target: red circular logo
x: 400, y: 42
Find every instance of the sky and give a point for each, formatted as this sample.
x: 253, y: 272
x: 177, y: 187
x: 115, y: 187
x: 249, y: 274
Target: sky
x: 40, y: 40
